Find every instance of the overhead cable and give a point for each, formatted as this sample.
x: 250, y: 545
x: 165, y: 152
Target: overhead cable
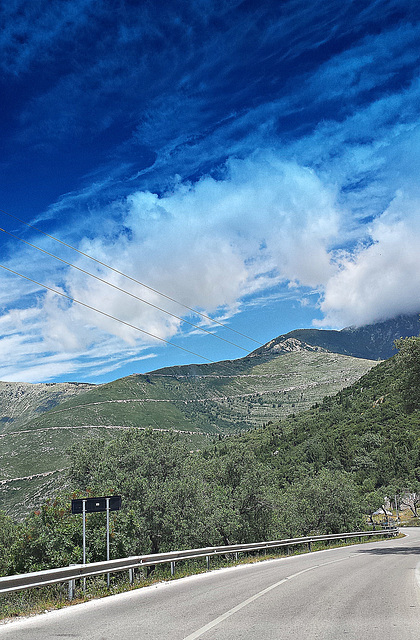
x: 121, y: 273
x: 114, y: 286
x: 107, y: 315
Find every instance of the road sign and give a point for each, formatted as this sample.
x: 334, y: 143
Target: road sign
x: 94, y: 505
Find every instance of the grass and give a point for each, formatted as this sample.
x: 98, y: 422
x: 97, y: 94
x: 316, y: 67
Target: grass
x: 43, y: 599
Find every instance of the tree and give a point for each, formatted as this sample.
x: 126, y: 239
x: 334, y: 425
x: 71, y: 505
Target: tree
x: 9, y: 534
x: 411, y: 499
x: 50, y: 537
x: 409, y: 364
x: 372, y: 502
x: 325, y: 503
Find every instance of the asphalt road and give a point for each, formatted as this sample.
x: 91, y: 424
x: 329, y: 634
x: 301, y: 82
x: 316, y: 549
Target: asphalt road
x: 364, y: 591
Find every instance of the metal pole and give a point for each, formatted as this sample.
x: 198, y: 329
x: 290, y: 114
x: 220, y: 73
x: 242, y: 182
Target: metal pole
x: 107, y: 538
x: 396, y: 509
x: 84, y: 531
x: 84, y: 540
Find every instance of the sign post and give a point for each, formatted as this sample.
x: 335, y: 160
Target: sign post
x: 107, y: 537
x: 95, y: 505
x: 84, y: 539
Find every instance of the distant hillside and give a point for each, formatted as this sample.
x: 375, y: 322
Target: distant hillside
x: 374, y: 341
x: 217, y: 398
x: 21, y: 401
x: 200, y: 401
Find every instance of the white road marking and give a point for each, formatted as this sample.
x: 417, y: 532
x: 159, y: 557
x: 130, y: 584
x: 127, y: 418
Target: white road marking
x: 216, y: 621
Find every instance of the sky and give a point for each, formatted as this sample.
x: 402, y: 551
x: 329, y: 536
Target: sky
x: 257, y: 163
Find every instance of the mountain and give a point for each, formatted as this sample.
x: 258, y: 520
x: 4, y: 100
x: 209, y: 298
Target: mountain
x: 316, y: 472
x: 38, y: 423
x: 373, y: 342
x: 199, y: 401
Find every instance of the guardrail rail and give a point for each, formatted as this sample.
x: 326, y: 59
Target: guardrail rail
x: 74, y: 572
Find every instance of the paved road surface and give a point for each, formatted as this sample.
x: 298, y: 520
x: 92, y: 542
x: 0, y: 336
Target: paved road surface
x: 366, y: 591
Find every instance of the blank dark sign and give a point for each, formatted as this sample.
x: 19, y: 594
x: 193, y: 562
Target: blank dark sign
x: 93, y: 505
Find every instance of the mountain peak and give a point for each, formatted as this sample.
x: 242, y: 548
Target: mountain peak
x: 285, y: 344
x: 373, y: 341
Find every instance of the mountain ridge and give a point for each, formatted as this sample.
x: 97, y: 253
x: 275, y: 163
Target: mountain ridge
x: 372, y: 341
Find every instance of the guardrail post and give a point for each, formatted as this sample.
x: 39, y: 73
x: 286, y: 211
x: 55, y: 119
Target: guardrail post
x: 288, y: 550
x: 208, y: 562
x: 172, y: 568
x: 131, y: 576
x: 72, y: 586
x: 309, y: 546
x: 236, y: 556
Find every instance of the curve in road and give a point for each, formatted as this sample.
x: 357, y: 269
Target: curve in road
x: 349, y: 593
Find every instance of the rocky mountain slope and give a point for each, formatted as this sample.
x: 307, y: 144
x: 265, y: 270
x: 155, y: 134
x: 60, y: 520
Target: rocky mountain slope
x: 200, y: 402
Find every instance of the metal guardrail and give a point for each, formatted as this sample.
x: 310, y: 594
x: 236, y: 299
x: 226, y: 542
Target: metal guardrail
x: 74, y: 572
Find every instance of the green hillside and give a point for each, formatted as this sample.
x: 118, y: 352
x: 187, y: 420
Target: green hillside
x: 288, y: 375
x: 220, y: 398
x: 322, y: 470
x: 223, y: 398
x: 365, y: 429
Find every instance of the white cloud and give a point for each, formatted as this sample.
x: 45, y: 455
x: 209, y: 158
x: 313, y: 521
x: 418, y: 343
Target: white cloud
x: 381, y: 280
x: 207, y: 245
x: 213, y: 245
x: 217, y: 245
x: 37, y: 346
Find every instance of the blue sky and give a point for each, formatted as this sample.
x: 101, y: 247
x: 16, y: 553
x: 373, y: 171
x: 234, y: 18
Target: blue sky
x: 258, y: 162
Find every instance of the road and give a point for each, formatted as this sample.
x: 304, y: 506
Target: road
x: 363, y: 591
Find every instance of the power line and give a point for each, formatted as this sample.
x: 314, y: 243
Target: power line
x: 108, y: 315
x: 34, y: 246
x: 104, y: 264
